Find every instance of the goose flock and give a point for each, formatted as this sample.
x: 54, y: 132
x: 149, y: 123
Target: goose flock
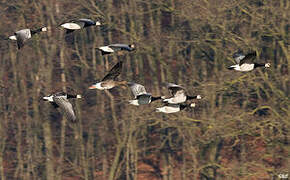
x: 176, y: 102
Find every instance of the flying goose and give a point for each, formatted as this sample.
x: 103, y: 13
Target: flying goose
x: 79, y: 24
x: 173, y: 108
x: 23, y: 35
x: 109, y: 81
x: 60, y: 99
x: 116, y: 47
x: 244, y: 62
x: 178, y: 94
x: 140, y: 94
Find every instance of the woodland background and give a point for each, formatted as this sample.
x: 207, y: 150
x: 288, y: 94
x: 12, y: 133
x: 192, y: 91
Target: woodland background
x: 239, y: 130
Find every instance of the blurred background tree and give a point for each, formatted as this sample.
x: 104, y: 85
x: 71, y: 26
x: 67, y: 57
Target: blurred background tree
x: 240, y: 130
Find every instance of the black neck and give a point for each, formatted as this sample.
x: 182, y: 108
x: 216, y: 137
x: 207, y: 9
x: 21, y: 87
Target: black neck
x: 155, y: 98
x: 35, y: 31
x: 182, y: 106
x: 258, y: 65
x: 89, y: 24
x: 190, y: 97
x: 71, y: 96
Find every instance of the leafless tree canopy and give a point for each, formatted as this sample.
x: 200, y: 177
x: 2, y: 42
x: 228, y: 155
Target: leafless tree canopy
x: 239, y: 130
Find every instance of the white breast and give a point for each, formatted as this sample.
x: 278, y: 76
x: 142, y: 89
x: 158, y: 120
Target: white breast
x: 168, y: 109
x: 72, y: 26
x: 106, y: 49
x: 176, y: 99
x: 246, y: 67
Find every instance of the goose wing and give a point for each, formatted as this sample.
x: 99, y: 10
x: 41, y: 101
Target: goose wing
x: 20, y: 43
x: 66, y: 107
x: 117, y: 47
x: 114, y: 72
x: 22, y: 36
x: 175, y: 89
x: 248, y: 57
x: 137, y: 89
x: 238, y: 56
x: 87, y: 22
x: 80, y: 22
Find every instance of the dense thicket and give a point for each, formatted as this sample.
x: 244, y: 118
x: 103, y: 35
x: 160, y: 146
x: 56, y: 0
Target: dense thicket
x: 240, y: 130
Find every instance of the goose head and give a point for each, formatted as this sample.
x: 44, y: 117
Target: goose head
x: 267, y: 65
x: 98, y: 23
x: 192, y: 105
x: 44, y: 29
x: 132, y: 46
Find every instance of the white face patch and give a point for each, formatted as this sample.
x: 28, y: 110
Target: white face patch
x: 44, y: 29
x: 72, y: 26
x: 192, y: 105
x: 98, y: 23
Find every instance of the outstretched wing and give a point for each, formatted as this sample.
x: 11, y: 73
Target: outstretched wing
x: 20, y: 43
x: 175, y: 89
x: 80, y: 22
x: 66, y: 107
x: 238, y: 56
x: 22, y: 36
x: 117, y: 47
x: 87, y: 22
x: 248, y: 57
x: 114, y: 72
x: 137, y: 89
